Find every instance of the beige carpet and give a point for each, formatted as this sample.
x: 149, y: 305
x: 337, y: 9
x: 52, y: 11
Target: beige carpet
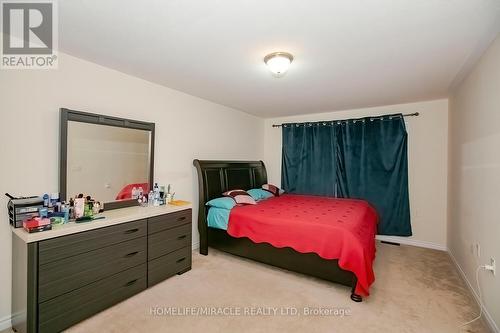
x: 416, y: 290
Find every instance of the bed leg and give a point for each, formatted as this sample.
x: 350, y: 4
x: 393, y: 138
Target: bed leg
x: 356, y: 298
x: 203, y: 248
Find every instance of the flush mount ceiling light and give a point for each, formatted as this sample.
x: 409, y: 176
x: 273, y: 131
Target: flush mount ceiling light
x: 278, y: 62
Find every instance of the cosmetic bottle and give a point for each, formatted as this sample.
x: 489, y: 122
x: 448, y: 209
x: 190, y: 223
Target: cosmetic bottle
x: 43, y: 212
x: 58, y: 207
x: 71, y: 209
x: 169, y: 196
x: 54, y: 198
x: 46, y: 200
x: 151, y: 197
x: 162, y: 195
x: 86, y: 210
x: 95, y: 208
x: 156, y: 199
x: 90, y: 204
x: 79, y: 207
x: 65, y: 210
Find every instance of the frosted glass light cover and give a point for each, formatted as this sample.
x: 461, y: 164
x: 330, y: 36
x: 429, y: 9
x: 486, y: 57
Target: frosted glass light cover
x: 278, y: 63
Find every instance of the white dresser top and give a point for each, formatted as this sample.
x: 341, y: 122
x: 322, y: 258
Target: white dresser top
x: 112, y: 217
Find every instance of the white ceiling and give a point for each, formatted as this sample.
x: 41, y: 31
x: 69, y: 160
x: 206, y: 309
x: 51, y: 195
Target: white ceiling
x: 348, y: 53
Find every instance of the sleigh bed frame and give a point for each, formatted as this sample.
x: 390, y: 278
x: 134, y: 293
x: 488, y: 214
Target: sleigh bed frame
x: 216, y: 177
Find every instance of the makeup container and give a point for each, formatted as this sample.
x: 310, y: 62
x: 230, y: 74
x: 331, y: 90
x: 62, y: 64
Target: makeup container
x: 89, y: 208
x: 71, y: 209
x: 151, y: 198
x: 43, y: 212
x: 79, y: 207
x: 95, y: 208
x: 46, y: 200
x: 65, y: 210
x: 58, y: 207
x: 54, y: 198
x: 156, y: 199
x: 162, y: 195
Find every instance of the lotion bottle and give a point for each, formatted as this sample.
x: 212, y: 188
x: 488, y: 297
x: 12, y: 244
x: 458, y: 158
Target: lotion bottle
x: 79, y: 207
x: 151, y: 197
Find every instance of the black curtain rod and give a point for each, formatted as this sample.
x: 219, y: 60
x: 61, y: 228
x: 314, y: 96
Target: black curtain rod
x: 415, y: 114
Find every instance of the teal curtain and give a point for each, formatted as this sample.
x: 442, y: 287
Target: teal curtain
x: 359, y: 158
x: 308, y: 164
x: 373, y: 166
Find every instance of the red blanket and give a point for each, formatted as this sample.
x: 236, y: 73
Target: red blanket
x: 342, y: 229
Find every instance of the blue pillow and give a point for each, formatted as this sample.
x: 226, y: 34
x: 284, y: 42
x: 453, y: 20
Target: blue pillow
x: 259, y: 194
x: 223, y: 202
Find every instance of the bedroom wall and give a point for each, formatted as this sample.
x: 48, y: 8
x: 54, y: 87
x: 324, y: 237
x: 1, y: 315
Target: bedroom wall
x: 474, y: 175
x: 427, y: 153
x: 187, y: 127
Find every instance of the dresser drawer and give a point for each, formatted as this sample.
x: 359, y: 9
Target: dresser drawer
x: 62, y: 276
x: 168, y: 221
x: 169, y: 240
x: 67, y: 246
x: 66, y: 310
x: 163, y: 267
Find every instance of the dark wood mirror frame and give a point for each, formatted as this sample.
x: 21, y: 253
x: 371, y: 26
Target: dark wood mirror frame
x: 92, y: 118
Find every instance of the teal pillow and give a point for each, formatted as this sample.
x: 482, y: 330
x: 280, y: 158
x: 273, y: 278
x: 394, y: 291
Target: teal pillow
x: 223, y: 202
x: 259, y: 194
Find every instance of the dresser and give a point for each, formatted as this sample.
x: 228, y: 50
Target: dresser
x: 65, y: 275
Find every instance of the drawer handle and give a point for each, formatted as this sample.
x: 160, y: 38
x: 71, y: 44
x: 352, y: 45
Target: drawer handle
x: 181, y: 260
x: 181, y: 237
x: 128, y: 284
x: 131, y: 254
x: 181, y: 219
x: 131, y: 231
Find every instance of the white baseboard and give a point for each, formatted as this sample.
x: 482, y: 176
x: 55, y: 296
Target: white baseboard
x: 195, y: 246
x: 489, y: 319
x: 5, y: 323
x: 411, y: 241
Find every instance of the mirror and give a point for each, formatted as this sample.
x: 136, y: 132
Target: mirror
x: 108, y: 158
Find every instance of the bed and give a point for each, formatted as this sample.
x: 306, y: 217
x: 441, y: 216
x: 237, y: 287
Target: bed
x: 216, y: 177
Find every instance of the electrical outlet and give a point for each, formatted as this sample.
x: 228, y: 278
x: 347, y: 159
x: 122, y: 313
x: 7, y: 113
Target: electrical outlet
x: 492, y: 267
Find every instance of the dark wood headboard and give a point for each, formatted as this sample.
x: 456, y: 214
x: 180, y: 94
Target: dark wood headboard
x: 217, y: 177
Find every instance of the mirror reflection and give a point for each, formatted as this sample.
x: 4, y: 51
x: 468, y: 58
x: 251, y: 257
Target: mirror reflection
x: 106, y: 162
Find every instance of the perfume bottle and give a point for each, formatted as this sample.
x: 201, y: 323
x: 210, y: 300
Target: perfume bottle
x: 162, y: 195
x: 151, y: 197
x: 156, y: 192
